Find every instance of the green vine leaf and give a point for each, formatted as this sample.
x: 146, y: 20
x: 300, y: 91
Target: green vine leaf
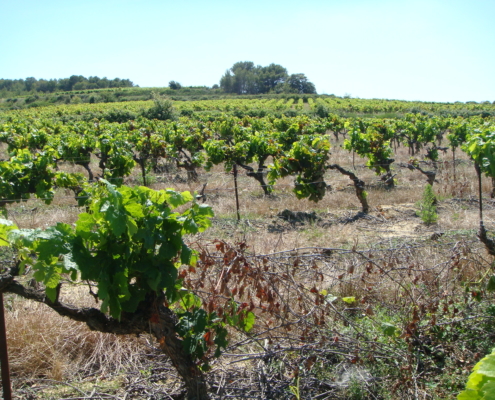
x: 481, y: 382
x: 129, y: 242
x: 388, y: 329
x: 5, y: 227
x: 491, y: 284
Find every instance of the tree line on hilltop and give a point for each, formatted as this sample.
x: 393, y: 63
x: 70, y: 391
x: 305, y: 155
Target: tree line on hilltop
x: 75, y: 82
x: 242, y: 78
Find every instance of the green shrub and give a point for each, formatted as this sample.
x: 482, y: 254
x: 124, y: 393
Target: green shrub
x: 322, y: 111
x: 186, y: 112
x: 163, y: 109
x: 427, y: 206
x: 119, y: 115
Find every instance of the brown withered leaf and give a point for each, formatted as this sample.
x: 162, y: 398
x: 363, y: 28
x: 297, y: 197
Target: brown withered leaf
x: 220, y: 245
x: 208, y: 337
x: 211, y: 306
x: 415, y: 316
x: 310, y: 362
x: 182, y: 274
x: 369, y: 268
x: 228, y: 256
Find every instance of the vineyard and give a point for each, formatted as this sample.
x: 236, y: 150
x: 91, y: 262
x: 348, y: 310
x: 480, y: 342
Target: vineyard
x: 307, y: 247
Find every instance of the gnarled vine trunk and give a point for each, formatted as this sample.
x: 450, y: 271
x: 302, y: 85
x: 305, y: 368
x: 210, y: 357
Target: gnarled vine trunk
x: 152, y: 315
x: 86, y: 166
x: 430, y: 175
x: 358, y: 185
x: 483, y: 237
x: 258, y: 175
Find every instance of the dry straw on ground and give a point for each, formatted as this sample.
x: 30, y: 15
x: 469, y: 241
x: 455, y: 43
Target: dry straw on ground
x: 387, y: 260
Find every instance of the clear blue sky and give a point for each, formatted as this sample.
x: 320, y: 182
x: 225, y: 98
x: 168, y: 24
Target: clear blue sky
x: 429, y: 50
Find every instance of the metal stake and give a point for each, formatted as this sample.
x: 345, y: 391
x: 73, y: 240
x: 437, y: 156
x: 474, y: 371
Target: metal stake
x: 236, y: 193
x: 4, y: 356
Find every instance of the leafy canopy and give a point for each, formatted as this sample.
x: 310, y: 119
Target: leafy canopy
x: 129, y: 242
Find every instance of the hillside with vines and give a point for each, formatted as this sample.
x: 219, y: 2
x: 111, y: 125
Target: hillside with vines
x: 272, y: 247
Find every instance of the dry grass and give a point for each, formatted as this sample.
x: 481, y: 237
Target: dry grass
x: 42, y: 344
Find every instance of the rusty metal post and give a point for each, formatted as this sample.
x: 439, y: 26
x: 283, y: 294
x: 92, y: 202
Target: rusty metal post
x: 4, y: 357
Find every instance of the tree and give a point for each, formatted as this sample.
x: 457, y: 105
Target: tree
x: 174, y: 85
x: 242, y: 78
x: 246, y: 78
x: 75, y: 82
x: 47, y: 86
x: 298, y: 83
x: 30, y: 83
x: 226, y: 82
x: 75, y: 79
x: 271, y: 76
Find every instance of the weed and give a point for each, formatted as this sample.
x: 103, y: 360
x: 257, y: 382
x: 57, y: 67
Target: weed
x: 295, y: 389
x: 427, y: 208
x: 150, y: 180
x: 355, y: 390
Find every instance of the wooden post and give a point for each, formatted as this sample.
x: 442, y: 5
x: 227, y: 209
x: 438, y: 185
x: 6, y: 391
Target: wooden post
x: 236, y: 193
x: 453, y: 161
x: 4, y: 357
x: 480, y: 192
